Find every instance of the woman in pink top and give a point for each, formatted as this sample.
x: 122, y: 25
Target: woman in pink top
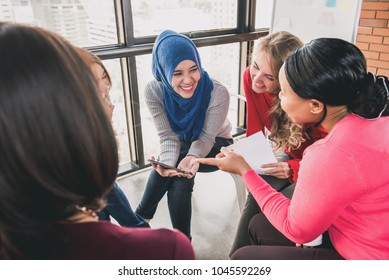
x: 346, y: 198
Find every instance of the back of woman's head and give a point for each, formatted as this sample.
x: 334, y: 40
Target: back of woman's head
x: 57, y: 146
x: 278, y: 46
x: 333, y: 71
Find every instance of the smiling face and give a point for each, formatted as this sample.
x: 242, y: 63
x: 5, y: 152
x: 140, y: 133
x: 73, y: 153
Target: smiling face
x: 102, y: 80
x: 262, y: 76
x: 104, y: 85
x: 185, y: 78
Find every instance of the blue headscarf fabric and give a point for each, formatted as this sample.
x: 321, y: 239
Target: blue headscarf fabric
x: 186, y: 116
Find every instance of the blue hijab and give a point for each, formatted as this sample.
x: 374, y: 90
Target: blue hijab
x: 186, y: 116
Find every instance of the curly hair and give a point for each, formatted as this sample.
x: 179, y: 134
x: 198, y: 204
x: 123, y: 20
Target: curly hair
x: 278, y: 46
x: 285, y: 133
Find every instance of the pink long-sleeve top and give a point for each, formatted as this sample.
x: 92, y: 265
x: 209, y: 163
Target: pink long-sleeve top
x: 348, y: 195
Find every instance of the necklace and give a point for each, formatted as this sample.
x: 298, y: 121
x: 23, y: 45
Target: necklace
x: 84, y: 215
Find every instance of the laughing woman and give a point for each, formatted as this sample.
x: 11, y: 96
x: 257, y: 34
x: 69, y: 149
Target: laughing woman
x: 189, y: 110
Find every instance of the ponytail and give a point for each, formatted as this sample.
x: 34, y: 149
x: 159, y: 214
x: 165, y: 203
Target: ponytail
x: 373, y: 98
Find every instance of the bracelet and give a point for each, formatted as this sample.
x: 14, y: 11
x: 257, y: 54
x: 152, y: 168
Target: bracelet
x: 188, y: 155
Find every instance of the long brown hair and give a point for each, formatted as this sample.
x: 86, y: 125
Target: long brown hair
x: 58, y: 149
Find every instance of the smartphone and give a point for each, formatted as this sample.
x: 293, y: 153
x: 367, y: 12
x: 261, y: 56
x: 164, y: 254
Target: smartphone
x: 164, y: 165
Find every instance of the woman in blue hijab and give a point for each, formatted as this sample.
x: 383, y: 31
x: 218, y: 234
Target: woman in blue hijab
x: 189, y: 110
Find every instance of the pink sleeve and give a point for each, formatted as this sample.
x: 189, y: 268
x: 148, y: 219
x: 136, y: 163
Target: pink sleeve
x: 319, y: 196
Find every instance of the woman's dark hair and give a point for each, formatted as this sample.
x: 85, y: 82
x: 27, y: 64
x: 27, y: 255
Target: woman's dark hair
x: 334, y: 72
x: 58, y: 150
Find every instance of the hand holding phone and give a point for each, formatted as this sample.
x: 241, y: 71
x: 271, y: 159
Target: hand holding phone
x: 164, y: 165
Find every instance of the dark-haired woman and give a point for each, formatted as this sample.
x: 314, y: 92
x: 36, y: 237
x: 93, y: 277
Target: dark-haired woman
x: 326, y: 82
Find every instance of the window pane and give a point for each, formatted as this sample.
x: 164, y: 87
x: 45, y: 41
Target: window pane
x: 149, y: 133
x: 152, y: 17
x: 84, y: 23
x: 222, y: 64
x: 119, y: 120
x: 264, y: 12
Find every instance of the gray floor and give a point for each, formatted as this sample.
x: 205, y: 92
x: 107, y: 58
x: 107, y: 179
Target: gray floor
x: 215, y: 211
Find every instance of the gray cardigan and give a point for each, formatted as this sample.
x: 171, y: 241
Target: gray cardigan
x: 215, y: 123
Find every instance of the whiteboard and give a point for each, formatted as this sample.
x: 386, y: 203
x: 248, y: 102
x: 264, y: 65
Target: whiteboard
x: 310, y: 19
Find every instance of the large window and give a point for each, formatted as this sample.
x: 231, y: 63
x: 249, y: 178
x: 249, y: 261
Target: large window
x: 263, y: 13
x: 83, y: 22
x: 122, y: 32
x: 152, y: 17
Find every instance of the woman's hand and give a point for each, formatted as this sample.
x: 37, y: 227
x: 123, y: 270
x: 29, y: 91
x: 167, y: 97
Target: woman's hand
x: 165, y: 172
x: 278, y: 169
x: 189, y: 164
x: 229, y: 161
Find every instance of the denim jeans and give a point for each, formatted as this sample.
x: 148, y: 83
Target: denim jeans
x: 178, y: 189
x: 119, y: 208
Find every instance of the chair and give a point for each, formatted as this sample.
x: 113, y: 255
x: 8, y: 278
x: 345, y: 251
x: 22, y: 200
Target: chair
x: 241, y: 190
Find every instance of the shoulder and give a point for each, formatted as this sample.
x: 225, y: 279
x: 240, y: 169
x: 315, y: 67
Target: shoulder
x: 157, y: 243
x: 218, y: 85
x: 115, y: 242
x: 219, y: 88
x: 338, y: 140
x: 247, y: 71
x: 153, y: 89
x: 246, y: 75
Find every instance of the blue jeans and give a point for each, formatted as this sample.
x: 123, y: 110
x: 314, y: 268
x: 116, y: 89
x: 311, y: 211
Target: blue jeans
x: 178, y: 189
x: 119, y: 208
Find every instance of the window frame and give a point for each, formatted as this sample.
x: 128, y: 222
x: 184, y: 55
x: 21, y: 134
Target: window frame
x: 130, y: 47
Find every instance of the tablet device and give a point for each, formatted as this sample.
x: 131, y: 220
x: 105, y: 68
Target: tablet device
x: 164, y: 165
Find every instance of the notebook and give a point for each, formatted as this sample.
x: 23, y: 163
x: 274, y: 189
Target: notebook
x: 256, y: 150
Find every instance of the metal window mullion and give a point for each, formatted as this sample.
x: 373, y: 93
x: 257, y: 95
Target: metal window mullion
x: 242, y: 16
x: 135, y: 126
x: 119, y: 21
x: 128, y: 23
x: 200, y: 42
x: 251, y: 15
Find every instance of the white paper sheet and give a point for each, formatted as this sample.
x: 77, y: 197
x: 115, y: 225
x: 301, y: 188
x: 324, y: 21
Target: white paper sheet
x: 256, y: 151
